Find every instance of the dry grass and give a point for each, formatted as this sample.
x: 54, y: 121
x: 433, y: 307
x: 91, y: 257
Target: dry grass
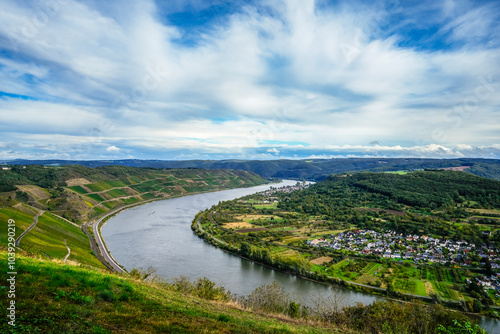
x: 36, y: 192
x: 428, y: 288
x: 320, y: 260
x: 77, y: 182
x: 483, y: 211
x: 238, y: 225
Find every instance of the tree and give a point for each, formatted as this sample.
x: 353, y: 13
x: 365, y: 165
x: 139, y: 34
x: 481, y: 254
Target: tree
x: 246, y: 249
x: 390, y: 289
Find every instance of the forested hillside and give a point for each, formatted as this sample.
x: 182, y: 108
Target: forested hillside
x: 427, y: 201
x: 309, y: 169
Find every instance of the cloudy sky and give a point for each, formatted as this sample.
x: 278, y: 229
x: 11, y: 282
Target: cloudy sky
x: 216, y: 79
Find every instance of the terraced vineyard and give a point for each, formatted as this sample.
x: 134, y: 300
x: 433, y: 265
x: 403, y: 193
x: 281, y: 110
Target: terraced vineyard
x: 77, y: 194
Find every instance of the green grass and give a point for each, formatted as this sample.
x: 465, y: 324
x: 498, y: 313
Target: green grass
x: 78, y: 189
x: 23, y: 221
x: 420, y: 288
x: 99, y: 186
x: 47, y: 238
x: 110, y: 204
x: 55, y: 217
x: 117, y: 193
x: 55, y: 298
x: 96, y: 197
x: 116, y: 183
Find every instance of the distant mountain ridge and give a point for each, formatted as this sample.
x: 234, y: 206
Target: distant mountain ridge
x: 309, y: 169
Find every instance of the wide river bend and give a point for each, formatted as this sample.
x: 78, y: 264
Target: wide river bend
x: 158, y: 234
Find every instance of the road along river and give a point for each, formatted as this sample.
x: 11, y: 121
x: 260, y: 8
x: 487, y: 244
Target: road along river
x: 158, y: 234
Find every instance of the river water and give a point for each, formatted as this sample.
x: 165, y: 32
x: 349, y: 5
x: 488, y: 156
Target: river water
x: 159, y: 234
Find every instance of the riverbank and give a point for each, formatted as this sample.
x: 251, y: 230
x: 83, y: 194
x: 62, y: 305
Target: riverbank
x: 327, y: 280
x: 165, y: 241
x: 234, y: 251
x: 100, y: 221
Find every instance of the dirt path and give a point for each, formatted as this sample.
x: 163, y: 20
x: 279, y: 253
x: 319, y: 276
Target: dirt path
x: 211, y: 236
x: 18, y: 240
x: 69, y: 251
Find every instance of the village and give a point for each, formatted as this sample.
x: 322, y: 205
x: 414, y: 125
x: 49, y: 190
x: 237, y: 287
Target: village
x: 286, y: 189
x: 420, y: 249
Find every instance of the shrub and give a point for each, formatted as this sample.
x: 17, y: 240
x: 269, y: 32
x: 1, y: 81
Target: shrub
x: 269, y: 298
x: 206, y: 289
x: 457, y: 328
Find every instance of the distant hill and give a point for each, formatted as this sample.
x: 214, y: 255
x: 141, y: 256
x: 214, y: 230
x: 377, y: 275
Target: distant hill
x: 437, y: 202
x: 313, y: 169
x: 422, y: 188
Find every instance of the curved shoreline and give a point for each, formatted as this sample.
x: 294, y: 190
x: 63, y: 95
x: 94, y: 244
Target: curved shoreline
x: 404, y: 297
x: 235, y: 253
x: 99, y: 221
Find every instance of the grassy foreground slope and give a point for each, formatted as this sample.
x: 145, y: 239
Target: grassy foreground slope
x: 56, y: 298
x: 52, y: 297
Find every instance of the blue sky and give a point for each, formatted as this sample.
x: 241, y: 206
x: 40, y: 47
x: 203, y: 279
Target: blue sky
x: 269, y: 79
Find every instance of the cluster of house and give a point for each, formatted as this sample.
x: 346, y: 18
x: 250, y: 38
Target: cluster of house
x: 488, y: 282
x: 287, y: 189
x: 390, y: 244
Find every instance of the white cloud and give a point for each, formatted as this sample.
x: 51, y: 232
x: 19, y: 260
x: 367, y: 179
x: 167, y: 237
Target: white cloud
x: 273, y: 150
x: 113, y: 149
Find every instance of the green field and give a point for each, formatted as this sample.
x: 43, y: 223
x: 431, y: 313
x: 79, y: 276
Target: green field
x: 48, y: 236
x: 78, y: 189
x: 99, y: 186
x: 117, y: 193
x: 96, y: 197
x: 23, y: 221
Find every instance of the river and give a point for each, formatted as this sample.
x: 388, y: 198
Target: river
x: 159, y: 234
